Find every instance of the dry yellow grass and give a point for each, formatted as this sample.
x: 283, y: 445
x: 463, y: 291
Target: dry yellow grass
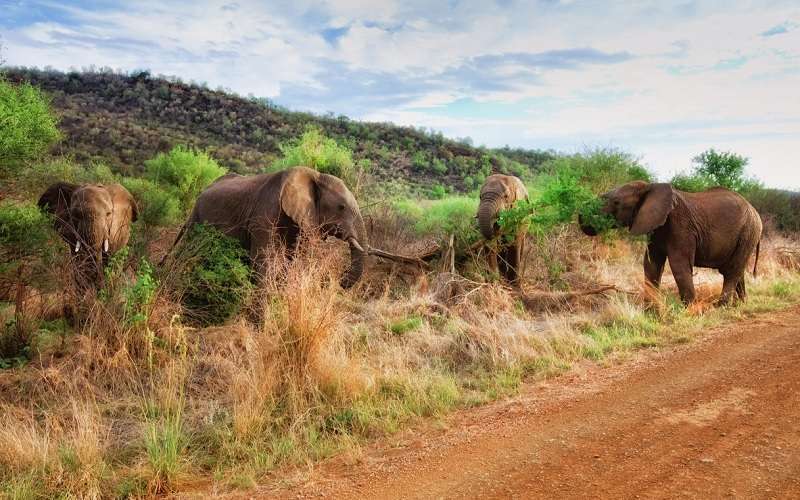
x: 308, y: 369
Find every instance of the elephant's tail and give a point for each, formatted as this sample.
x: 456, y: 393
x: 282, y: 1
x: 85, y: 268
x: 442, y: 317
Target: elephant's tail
x: 175, y: 243
x: 755, y: 267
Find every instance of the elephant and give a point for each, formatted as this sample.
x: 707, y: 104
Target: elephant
x: 715, y: 229
x: 501, y: 192
x: 94, y: 220
x: 256, y: 209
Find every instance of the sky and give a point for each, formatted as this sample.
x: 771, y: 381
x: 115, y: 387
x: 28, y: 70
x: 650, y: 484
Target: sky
x: 662, y: 80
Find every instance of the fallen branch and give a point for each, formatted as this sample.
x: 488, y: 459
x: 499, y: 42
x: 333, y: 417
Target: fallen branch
x: 417, y: 261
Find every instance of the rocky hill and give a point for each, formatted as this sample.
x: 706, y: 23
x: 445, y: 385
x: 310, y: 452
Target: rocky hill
x: 124, y: 119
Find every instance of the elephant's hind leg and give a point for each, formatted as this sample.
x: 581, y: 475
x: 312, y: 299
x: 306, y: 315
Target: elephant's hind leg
x: 730, y: 288
x: 741, y: 290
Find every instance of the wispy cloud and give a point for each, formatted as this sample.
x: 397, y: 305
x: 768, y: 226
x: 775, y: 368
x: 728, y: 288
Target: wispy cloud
x: 663, y: 79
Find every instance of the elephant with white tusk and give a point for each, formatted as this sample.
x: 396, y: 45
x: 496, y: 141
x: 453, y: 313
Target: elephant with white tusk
x: 94, y: 220
x: 256, y: 209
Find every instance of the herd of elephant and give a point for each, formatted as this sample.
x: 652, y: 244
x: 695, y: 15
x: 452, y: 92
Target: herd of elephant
x: 715, y: 229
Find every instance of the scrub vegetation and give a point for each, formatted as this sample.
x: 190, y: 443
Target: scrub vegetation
x: 195, y: 373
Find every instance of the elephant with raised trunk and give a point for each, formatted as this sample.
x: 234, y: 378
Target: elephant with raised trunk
x: 262, y: 209
x: 501, y: 192
x: 716, y: 229
x: 95, y: 221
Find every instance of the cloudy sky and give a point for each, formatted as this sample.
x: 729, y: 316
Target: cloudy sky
x: 664, y: 80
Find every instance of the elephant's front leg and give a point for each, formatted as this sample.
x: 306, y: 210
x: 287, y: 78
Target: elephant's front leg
x: 654, y: 261
x: 681, y: 261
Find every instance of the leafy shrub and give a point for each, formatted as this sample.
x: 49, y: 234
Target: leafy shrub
x: 24, y: 229
x: 558, y: 199
x: 598, y: 170
x: 218, y: 279
x: 782, y: 208
x: 140, y: 294
x: 321, y: 153
x: 29, y: 128
x: 25, y: 235
x: 440, y: 218
x: 157, y: 206
x: 186, y: 171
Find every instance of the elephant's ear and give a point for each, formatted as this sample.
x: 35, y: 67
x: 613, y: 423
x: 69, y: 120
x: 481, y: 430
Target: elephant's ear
x: 520, y: 191
x: 56, y: 198
x: 119, y: 194
x: 299, y: 197
x: 659, y: 200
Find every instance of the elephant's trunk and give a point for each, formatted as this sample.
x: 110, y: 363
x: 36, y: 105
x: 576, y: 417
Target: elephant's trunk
x: 358, y: 252
x: 487, y: 215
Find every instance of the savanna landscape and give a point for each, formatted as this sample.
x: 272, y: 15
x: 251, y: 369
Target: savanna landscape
x: 419, y: 352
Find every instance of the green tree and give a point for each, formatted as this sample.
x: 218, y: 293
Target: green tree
x: 713, y: 168
x: 27, y: 125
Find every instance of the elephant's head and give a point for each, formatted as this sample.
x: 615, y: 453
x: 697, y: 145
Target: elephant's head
x: 640, y: 206
x: 90, y: 218
x: 499, y: 192
x: 321, y: 201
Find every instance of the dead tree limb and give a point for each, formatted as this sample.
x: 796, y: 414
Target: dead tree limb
x: 398, y: 258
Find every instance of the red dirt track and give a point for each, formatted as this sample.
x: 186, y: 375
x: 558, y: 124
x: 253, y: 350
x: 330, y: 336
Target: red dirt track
x: 719, y: 418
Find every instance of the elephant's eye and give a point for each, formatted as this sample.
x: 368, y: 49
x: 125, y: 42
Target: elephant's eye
x: 341, y: 208
x: 108, y: 214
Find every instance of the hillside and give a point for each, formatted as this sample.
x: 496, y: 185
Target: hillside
x: 123, y: 120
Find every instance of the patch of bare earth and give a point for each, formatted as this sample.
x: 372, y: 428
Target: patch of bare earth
x: 717, y: 418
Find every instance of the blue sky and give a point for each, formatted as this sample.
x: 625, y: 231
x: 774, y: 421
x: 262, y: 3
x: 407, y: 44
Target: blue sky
x: 663, y: 80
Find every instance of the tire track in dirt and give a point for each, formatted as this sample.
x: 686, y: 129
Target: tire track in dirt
x: 717, y: 418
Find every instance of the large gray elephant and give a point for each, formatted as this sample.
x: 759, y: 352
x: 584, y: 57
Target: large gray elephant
x: 717, y: 229
x: 501, y: 192
x: 257, y: 209
x: 95, y: 221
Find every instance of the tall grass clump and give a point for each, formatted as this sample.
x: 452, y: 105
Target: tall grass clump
x: 29, y: 126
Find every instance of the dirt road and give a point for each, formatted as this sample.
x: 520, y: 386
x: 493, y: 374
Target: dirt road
x: 715, y: 419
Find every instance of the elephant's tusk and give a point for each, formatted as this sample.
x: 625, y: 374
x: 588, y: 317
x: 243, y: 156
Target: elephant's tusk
x: 354, y: 242
x: 77, y: 246
x: 105, y: 245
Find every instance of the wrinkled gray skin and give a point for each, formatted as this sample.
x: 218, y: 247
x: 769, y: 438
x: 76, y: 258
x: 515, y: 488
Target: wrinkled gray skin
x: 94, y: 220
x: 717, y: 229
x: 501, y: 192
x: 257, y: 209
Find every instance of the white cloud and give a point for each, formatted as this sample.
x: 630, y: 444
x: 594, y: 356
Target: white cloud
x: 698, y: 74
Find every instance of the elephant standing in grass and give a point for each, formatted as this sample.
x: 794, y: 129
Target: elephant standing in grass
x: 501, y: 192
x: 257, y: 209
x: 95, y: 221
x: 716, y: 229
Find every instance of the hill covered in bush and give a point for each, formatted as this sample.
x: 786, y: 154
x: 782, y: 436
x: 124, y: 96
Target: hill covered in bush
x: 122, y: 120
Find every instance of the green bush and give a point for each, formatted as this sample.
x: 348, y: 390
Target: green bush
x: 598, y: 170
x: 186, y: 171
x: 28, y: 126
x: 440, y: 218
x: 218, y: 279
x: 559, y: 197
x: 25, y: 231
x: 157, y: 206
x: 321, y: 153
